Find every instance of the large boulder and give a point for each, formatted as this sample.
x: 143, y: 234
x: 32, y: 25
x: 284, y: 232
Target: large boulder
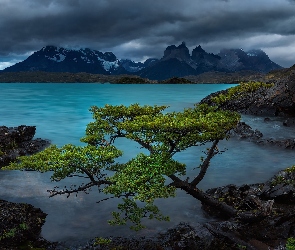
x: 281, y: 187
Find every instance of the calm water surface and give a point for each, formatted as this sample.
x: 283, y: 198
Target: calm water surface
x: 60, y: 113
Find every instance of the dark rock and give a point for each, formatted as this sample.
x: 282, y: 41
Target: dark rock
x: 289, y: 122
x: 281, y: 193
x: 266, y: 119
x: 281, y: 187
x: 18, y: 141
x: 176, y: 80
x: 244, y: 131
x: 132, y: 80
x: 19, y: 223
x: 275, y: 199
x: 18, y: 134
x: 248, y: 103
x: 279, y: 100
x: 285, y: 123
x: 180, y: 237
x: 285, y: 143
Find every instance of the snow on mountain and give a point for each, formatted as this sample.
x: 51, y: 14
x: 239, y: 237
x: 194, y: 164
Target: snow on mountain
x: 110, y: 65
x: 57, y: 57
x: 131, y: 66
x: 176, y: 62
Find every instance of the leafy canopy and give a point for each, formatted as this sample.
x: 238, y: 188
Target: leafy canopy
x: 142, y: 179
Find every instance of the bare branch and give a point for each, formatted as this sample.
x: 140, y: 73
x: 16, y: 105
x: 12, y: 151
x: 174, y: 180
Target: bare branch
x: 88, y: 174
x: 127, y: 195
x: 204, y: 166
x: 81, y: 188
x: 69, y: 192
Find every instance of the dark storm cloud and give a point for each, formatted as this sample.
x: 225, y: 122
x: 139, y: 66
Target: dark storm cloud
x: 105, y: 23
x: 137, y: 29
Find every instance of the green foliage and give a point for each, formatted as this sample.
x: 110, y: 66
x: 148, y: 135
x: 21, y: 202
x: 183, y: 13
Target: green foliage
x: 239, y: 91
x: 131, y: 211
x: 11, y: 233
x: 69, y: 160
x: 8, y: 234
x: 290, y: 244
x: 23, y: 226
x: 286, y: 177
x: 241, y: 247
x: 102, y: 241
x: 142, y: 179
x: 290, y: 170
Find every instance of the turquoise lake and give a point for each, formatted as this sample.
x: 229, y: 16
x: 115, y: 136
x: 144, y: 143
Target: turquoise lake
x: 60, y: 113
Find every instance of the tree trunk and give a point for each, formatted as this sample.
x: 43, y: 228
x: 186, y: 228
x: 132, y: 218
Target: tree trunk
x: 221, y: 207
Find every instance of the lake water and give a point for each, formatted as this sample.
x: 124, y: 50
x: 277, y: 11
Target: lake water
x: 60, y: 113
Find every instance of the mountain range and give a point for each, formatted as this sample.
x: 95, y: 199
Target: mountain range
x: 176, y: 62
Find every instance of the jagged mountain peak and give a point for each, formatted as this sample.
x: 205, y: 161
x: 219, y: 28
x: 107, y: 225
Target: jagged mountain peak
x: 58, y: 59
x: 238, y: 59
x: 171, y: 47
x: 182, y: 45
x: 199, y: 49
x: 180, y: 52
x: 176, y: 62
x: 256, y: 52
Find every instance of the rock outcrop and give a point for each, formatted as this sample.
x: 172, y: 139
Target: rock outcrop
x: 279, y: 100
x: 18, y: 141
x: 20, y: 224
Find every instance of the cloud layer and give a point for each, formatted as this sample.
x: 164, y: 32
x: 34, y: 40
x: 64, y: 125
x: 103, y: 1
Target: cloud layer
x: 141, y: 29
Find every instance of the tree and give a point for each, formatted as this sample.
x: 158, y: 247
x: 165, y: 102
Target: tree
x: 143, y: 179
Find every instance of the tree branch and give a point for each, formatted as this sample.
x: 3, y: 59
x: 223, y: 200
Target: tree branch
x: 90, y: 176
x: 144, y: 144
x: 69, y: 192
x: 205, y: 164
x: 127, y: 195
x: 79, y: 189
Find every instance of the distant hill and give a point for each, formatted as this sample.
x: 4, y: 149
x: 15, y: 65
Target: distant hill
x: 176, y: 62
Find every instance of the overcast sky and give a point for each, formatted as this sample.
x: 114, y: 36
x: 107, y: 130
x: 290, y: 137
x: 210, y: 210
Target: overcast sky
x: 139, y: 29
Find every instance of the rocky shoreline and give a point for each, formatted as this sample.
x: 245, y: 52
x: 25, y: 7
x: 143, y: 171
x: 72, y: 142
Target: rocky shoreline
x: 272, y: 201
x: 18, y: 141
x: 19, y: 222
x: 276, y: 197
